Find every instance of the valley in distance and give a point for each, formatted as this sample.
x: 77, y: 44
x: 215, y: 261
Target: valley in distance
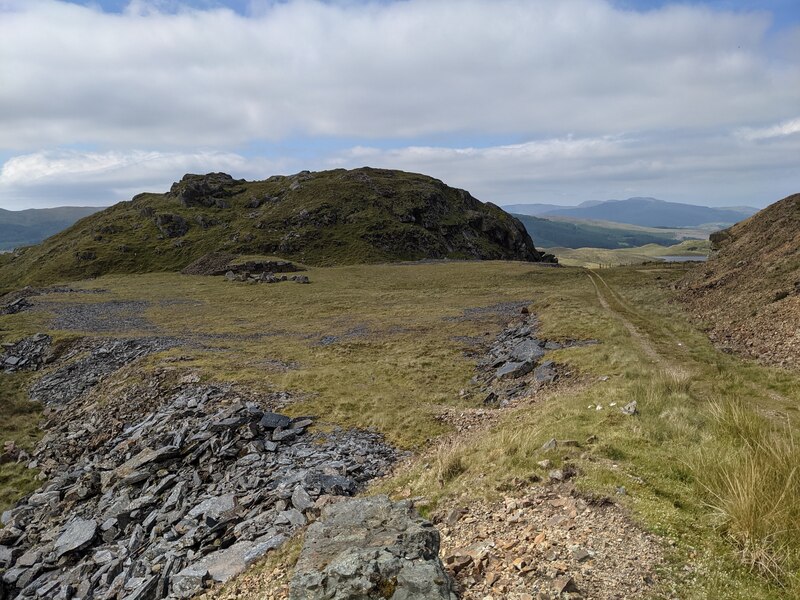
x: 365, y: 384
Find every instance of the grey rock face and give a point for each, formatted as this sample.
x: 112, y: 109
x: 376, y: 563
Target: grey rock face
x: 370, y: 549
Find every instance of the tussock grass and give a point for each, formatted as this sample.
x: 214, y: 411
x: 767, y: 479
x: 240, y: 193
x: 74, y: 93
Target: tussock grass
x: 18, y: 423
x: 751, y: 479
x: 448, y: 462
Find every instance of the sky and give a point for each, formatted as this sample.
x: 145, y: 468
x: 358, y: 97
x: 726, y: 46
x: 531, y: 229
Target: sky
x: 517, y: 101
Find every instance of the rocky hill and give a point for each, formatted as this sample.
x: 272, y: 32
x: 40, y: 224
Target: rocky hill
x: 749, y: 293
x: 324, y: 218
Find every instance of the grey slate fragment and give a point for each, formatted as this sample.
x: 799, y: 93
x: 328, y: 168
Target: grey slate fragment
x: 631, y: 408
x: 513, y: 370
x: 273, y: 421
x: 300, y: 499
x: 527, y: 350
x: 77, y: 535
x: 214, y: 507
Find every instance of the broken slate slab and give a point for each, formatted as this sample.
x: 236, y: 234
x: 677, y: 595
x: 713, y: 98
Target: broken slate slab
x: 527, y: 350
x: 214, y: 507
x: 221, y: 566
x: 301, y: 500
x: 513, y: 370
x: 545, y: 373
x: 78, y: 534
x: 272, y: 420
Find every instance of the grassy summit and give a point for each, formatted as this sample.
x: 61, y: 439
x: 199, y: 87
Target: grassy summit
x: 325, y: 218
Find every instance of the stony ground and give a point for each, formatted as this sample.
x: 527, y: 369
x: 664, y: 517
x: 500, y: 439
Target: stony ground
x: 547, y: 542
x: 354, y: 349
x: 748, y: 294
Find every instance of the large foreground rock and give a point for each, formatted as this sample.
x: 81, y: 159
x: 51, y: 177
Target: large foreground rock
x: 371, y: 549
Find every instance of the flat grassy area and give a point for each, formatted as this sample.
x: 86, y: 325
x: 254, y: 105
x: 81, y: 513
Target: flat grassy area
x: 708, y: 462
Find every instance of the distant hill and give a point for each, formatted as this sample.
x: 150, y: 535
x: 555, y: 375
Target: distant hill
x: 748, y: 294
x: 576, y: 234
x: 647, y: 212
x: 325, y: 218
x: 26, y: 227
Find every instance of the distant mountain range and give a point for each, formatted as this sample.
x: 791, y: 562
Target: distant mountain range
x: 646, y: 212
x: 549, y: 234
x: 26, y: 227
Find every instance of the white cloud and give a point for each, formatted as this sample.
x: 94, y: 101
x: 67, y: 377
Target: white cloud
x: 401, y: 69
x: 103, y: 178
x: 715, y: 169
x: 775, y: 131
x: 612, y: 102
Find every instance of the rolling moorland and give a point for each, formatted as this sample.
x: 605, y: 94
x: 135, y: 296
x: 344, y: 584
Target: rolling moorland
x: 558, y: 233
x: 26, y: 227
x: 645, y: 212
x: 624, y: 455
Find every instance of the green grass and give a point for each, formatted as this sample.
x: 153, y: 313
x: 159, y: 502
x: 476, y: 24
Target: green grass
x: 708, y: 461
x: 18, y: 423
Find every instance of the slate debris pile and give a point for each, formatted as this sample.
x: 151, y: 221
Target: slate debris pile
x: 219, y: 263
x: 88, y: 363
x: 264, y: 277
x: 28, y: 354
x: 370, y: 549
x: 514, y: 361
x: 190, y: 493
x: 15, y: 306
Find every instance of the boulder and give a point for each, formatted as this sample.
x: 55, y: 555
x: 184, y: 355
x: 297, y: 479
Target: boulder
x: 370, y: 549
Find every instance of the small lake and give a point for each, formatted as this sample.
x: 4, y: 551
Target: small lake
x: 683, y: 258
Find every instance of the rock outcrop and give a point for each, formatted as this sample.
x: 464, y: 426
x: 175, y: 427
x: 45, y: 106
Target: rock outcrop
x: 323, y: 218
x: 370, y: 549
